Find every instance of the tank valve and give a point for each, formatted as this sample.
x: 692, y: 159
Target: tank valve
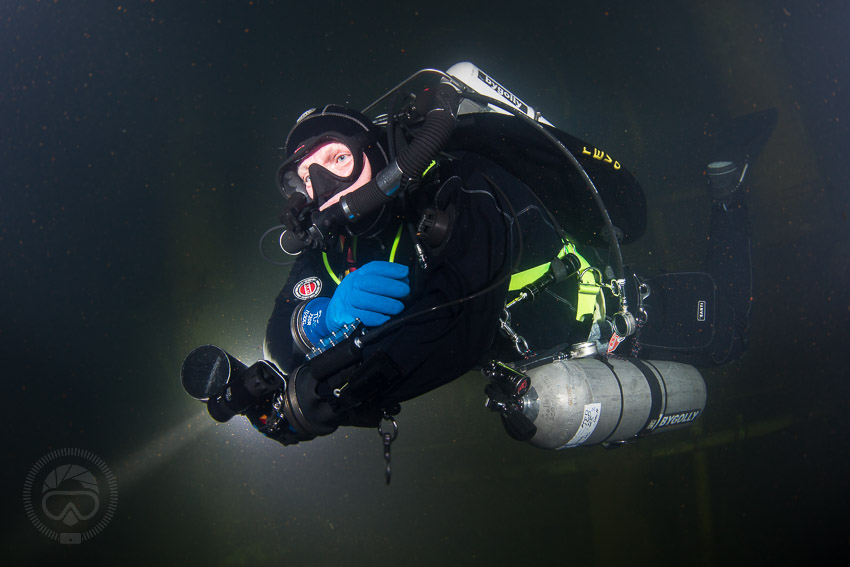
x: 504, y: 396
x: 510, y: 381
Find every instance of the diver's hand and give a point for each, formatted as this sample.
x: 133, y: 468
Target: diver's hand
x: 370, y: 293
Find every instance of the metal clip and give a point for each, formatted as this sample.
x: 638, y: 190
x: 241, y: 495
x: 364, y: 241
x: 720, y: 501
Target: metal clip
x: 519, y: 342
x: 388, y: 438
x: 597, y: 275
x: 277, y: 418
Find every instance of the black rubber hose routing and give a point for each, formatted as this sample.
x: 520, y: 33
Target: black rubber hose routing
x: 368, y: 198
x: 412, y: 160
x: 436, y: 131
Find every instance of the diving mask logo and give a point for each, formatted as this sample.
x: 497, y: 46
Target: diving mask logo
x: 70, y: 495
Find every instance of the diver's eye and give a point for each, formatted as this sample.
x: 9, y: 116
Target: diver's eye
x: 342, y: 158
x: 306, y: 179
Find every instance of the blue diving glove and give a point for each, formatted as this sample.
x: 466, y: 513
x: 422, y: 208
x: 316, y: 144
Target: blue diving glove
x: 370, y: 293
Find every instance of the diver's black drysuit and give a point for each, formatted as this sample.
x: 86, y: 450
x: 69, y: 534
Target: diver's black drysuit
x: 480, y: 251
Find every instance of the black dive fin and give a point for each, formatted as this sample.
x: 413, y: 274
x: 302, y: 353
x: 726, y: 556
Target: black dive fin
x: 743, y: 138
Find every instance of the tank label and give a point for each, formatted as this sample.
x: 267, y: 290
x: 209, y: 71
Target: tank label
x: 502, y: 91
x: 589, y: 420
x: 675, y: 419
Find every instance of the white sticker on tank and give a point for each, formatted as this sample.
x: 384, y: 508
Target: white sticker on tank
x: 587, y: 426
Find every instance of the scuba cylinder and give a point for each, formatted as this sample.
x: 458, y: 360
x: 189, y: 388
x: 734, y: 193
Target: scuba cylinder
x: 587, y: 401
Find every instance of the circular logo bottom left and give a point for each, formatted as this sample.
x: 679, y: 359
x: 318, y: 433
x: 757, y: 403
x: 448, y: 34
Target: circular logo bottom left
x: 70, y: 495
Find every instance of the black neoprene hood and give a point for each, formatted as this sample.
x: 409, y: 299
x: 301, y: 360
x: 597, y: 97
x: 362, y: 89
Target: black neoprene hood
x: 333, y: 118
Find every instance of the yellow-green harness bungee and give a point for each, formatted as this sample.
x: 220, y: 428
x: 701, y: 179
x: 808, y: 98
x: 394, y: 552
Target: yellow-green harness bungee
x: 589, y: 302
x: 393, y: 251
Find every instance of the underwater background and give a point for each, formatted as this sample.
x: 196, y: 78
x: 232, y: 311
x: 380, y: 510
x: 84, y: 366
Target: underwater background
x: 138, y: 146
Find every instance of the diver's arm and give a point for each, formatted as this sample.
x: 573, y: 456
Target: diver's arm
x: 298, y: 303
x: 455, y: 317
x: 354, y: 386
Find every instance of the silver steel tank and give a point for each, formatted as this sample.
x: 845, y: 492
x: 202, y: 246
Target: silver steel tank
x: 588, y: 401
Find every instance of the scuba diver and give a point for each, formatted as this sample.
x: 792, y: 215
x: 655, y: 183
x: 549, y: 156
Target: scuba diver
x: 461, y: 230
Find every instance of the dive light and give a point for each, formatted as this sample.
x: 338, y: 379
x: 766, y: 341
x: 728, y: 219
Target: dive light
x: 228, y: 386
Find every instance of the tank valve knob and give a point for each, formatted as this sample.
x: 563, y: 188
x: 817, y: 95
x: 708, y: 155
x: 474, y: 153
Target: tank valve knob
x: 511, y: 382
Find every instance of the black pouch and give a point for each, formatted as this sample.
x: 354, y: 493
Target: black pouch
x: 680, y: 311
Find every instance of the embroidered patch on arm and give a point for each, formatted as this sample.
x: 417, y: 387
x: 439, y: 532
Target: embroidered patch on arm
x: 308, y: 288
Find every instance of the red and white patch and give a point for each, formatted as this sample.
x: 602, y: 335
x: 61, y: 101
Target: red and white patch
x: 307, y: 288
x: 614, y: 342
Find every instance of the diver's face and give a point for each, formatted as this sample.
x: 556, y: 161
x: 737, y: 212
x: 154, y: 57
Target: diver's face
x: 335, y: 157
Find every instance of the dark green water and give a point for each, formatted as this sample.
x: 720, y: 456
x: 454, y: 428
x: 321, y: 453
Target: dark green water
x: 138, y: 144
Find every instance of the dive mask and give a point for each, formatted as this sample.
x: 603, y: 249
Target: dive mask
x: 325, y: 184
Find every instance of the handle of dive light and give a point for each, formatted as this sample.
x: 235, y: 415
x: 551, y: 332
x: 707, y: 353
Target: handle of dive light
x: 559, y: 270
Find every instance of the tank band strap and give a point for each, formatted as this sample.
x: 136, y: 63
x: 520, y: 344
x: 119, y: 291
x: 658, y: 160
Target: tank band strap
x: 657, y: 397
